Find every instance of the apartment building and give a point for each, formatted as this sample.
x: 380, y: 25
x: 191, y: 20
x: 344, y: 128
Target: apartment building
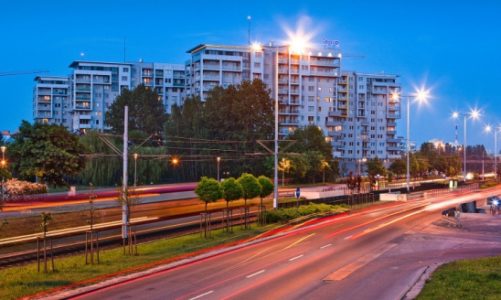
x: 167, y: 80
x: 51, y: 100
x: 94, y: 86
x: 304, y: 82
x: 365, y: 120
x: 355, y: 110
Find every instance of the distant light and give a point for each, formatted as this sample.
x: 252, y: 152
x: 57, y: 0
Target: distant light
x: 340, y: 55
x: 455, y: 115
x: 249, y: 18
x: 488, y: 128
x: 298, y: 44
x: 469, y: 176
x: 395, y: 96
x: 82, y: 54
x: 495, y: 202
x: 319, y: 53
x: 175, y: 161
x: 329, y: 55
x: 256, y: 47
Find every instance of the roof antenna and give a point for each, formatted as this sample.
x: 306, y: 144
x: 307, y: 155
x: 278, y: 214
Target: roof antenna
x: 124, y: 48
x: 249, y: 21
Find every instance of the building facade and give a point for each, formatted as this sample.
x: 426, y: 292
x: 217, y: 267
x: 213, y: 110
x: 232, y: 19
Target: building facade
x: 355, y: 110
x: 52, y: 101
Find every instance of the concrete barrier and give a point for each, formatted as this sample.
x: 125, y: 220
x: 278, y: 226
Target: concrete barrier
x: 393, y: 197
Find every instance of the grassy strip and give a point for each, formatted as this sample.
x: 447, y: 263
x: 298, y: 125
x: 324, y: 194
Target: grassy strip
x: 465, y: 279
x: 21, y: 281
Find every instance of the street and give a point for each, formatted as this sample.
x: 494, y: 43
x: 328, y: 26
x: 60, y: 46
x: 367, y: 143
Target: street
x: 376, y: 253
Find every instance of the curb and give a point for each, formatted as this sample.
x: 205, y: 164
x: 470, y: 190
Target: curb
x: 417, y: 285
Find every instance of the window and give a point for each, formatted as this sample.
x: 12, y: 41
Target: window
x: 125, y: 70
x: 311, y: 108
x: 311, y: 88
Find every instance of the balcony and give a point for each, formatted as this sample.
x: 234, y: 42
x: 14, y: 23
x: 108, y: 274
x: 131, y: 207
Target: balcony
x: 232, y: 68
x: 337, y: 113
x: 211, y: 78
x: 325, y: 62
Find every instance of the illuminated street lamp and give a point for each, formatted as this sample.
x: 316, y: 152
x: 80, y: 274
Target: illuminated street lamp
x: 421, y: 96
x: 3, y: 164
x: 135, y: 168
x: 175, y: 161
x: 218, y: 159
x: 473, y: 114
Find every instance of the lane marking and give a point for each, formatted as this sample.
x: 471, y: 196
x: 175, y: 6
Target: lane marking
x: 372, y: 229
x: 255, y: 274
x: 202, y: 295
x: 348, y: 237
x: 299, y: 241
x: 348, y: 269
x: 296, y: 257
x: 325, y: 246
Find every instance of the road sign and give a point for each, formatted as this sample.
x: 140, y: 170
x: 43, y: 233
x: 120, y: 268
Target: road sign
x: 298, y: 192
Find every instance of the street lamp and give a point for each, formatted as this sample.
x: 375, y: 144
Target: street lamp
x: 135, y: 168
x: 473, y: 114
x: 421, y: 96
x: 218, y: 159
x: 3, y: 164
x: 360, y: 161
x: 495, y: 131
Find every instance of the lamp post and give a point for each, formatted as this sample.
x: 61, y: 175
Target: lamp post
x: 135, y: 168
x: 421, y: 96
x: 473, y: 114
x: 218, y: 159
x: 495, y: 131
x: 3, y: 164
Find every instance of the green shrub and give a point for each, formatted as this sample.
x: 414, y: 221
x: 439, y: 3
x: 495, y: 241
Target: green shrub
x: 285, y: 214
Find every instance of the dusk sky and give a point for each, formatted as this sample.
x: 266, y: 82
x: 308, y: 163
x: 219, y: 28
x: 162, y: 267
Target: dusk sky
x: 451, y: 47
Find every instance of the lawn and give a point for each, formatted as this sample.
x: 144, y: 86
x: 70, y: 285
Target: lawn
x: 16, y: 282
x: 465, y: 279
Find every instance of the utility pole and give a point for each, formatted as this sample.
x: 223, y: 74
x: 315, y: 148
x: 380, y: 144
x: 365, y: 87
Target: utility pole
x: 275, y: 154
x: 125, y: 208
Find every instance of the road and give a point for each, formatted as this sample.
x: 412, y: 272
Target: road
x: 357, y: 256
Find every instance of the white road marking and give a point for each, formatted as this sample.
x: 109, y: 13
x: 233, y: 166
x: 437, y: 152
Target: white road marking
x: 325, y: 246
x: 346, y: 238
x: 296, y: 257
x: 255, y: 274
x: 202, y: 295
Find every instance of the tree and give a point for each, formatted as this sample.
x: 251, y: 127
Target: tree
x: 47, y: 152
x: 310, y: 138
x: 266, y: 187
x: 284, y: 166
x: 146, y: 112
x: 324, y: 165
x: 231, y: 190
x: 375, y: 167
x: 398, y: 167
x: 251, y: 189
x: 208, y: 190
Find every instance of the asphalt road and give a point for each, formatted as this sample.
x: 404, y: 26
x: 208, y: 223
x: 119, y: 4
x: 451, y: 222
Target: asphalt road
x: 337, y: 258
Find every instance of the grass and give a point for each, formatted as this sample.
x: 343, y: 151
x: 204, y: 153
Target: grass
x: 20, y: 281
x: 465, y: 279
x: 285, y: 214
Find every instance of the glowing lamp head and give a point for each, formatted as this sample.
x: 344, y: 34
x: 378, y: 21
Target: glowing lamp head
x: 455, y: 115
x: 422, y: 95
x: 495, y: 202
x: 256, y: 47
x: 3, y: 163
x: 175, y: 161
x: 488, y: 128
x: 395, y: 96
x: 475, y: 114
x: 218, y: 158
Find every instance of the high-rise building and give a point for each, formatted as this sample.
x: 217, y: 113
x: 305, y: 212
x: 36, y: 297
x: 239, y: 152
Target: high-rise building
x: 304, y: 82
x: 167, y: 80
x: 51, y: 100
x: 367, y: 126
x: 354, y: 110
x: 94, y: 87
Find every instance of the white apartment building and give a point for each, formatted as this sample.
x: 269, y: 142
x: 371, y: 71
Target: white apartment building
x: 305, y: 83
x: 51, y: 100
x: 355, y: 110
x: 168, y: 81
x: 94, y: 87
x: 366, y: 126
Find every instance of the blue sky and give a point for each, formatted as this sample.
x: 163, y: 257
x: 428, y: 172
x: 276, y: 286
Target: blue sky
x: 451, y: 46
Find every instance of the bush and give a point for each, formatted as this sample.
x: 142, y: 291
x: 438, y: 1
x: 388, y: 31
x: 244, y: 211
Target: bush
x: 15, y: 187
x: 286, y: 214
